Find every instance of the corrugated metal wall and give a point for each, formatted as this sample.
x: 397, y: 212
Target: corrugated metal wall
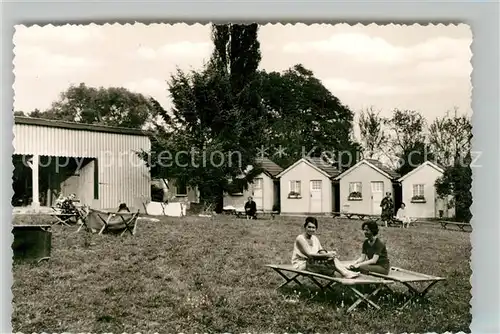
x: 123, y: 177
x: 86, y: 183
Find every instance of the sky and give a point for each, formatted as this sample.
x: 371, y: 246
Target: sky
x: 424, y: 68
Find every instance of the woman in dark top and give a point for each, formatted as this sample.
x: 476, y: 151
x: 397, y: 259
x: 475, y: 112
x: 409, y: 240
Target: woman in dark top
x: 374, y: 253
x: 387, y: 206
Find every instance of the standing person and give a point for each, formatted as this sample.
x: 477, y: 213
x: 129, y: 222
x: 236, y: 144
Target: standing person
x: 308, y: 254
x: 251, y: 208
x: 387, y: 206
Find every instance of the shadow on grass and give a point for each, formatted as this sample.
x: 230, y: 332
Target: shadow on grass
x: 341, y: 297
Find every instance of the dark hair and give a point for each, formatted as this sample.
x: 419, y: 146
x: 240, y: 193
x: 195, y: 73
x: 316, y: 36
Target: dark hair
x: 312, y: 220
x: 372, y: 226
x: 402, y: 203
x: 123, y: 206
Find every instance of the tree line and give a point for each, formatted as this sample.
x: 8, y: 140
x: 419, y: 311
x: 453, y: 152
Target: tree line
x: 231, y: 105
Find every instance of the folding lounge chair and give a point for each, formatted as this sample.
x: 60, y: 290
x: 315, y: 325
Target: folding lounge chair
x: 407, y: 277
x: 126, y: 221
x: 332, y: 281
x: 112, y: 221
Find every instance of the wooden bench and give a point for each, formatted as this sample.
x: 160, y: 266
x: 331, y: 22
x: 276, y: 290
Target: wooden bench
x: 465, y: 227
x: 242, y: 214
x: 351, y: 215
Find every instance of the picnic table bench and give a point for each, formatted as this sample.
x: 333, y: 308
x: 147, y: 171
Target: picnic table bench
x: 351, y: 284
x: 465, y: 227
x: 351, y: 215
x: 242, y: 213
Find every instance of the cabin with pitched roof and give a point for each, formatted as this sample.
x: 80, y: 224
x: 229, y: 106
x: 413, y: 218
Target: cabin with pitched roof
x: 363, y: 186
x: 264, y: 189
x: 307, y: 187
x: 419, y: 193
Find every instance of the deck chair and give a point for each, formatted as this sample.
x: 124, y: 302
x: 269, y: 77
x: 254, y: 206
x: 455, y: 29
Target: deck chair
x: 114, y: 222
x: 407, y: 278
x: 120, y: 221
x: 349, y: 283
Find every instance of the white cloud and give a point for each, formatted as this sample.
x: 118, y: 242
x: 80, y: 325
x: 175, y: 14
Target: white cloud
x: 174, y: 50
x: 147, y: 86
x: 186, y: 48
x: 351, y: 44
x: 450, y: 68
x: 36, y: 61
x: 342, y: 85
x: 67, y: 34
x: 375, y: 49
x: 146, y: 52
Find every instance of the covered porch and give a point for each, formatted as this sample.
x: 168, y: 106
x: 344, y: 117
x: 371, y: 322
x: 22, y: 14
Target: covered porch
x: 38, y: 180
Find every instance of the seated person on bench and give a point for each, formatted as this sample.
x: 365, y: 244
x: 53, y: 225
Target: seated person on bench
x: 402, y: 217
x: 251, y: 208
x: 308, y: 254
x: 374, y: 256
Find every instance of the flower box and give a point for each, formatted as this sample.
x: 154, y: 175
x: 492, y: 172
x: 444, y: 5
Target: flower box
x: 418, y: 199
x: 355, y: 196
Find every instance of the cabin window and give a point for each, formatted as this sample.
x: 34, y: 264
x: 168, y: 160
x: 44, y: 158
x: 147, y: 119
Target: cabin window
x: 295, y: 189
x: 355, y: 191
x: 257, y: 183
x: 418, y: 193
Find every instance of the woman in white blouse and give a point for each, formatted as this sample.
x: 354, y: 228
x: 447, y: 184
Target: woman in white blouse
x: 402, y: 217
x: 308, y: 254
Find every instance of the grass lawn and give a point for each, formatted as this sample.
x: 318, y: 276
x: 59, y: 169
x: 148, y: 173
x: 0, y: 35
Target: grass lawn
x: 201, y: 275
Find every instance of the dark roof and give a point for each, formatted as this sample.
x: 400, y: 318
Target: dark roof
x: 269, y: 166
x: 77, y: 126
x: 384, y: 168
x: 324, y: 165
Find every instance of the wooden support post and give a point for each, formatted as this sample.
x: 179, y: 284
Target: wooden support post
x: 35, y: 166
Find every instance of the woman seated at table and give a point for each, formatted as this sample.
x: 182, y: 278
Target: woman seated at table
x: 308, y: 254
x: 374, y: 256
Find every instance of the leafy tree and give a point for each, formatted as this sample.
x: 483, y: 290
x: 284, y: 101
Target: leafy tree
x: 406, y: 133
x: 304, y: 117
x: 216, y: 115
x: 36, y: 113
x: 114, y: 106
x: 457, y: 181
x: 373, y: 133
x: 19, y: 113
x: 450, y: 136
x: 413, y: 156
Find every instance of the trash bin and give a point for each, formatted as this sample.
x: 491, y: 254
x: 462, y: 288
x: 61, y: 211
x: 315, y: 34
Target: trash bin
x: 32, y: 243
